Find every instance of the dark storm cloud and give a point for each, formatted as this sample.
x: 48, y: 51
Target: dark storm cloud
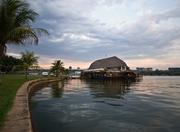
x: 74, y: 34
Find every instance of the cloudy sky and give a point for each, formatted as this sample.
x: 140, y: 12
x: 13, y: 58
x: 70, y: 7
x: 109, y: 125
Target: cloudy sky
x: 144, y: 33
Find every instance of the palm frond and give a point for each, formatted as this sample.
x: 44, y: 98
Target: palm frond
x: 25, y: 17
x: 16, y: 20
x: 14, y: 6
x: 29, y: 59
x: 21, y: 35
x: 40, y: 31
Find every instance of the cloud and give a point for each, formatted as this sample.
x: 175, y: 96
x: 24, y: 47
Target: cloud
x: 141, y: 31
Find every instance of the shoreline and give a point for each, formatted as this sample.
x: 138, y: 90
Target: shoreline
x: 19, y: 117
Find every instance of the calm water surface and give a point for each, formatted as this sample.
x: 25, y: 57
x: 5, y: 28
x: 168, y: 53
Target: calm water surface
x: 149, y: 105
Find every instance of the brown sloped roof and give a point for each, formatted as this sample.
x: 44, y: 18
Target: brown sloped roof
x: 110, y: 62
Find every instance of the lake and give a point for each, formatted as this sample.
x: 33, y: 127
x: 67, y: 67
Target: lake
x: 148, y: 105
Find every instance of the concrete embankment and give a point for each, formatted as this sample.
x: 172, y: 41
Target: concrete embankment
x: 19, y: 117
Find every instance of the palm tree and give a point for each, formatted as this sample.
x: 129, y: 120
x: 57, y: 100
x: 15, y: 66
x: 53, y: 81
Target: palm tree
x: 28, y: 60
x: 57, y: 68
x: 15, y: 24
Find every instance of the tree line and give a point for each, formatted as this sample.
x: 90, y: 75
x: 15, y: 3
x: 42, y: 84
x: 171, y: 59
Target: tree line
x: 27, y: 61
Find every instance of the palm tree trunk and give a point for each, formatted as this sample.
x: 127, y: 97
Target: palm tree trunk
x: 26, y: 73
x: 2, y: 49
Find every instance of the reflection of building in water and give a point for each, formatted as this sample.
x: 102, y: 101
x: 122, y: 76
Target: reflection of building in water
x: 112, y: 67
x: 109, y: 88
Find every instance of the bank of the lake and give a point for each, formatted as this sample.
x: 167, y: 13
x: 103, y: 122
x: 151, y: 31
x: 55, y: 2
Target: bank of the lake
x: 151, y: 104
x: 19, y: 118
x: 9, y: 84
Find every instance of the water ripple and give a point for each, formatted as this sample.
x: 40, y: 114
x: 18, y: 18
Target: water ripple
x: 151, y: 105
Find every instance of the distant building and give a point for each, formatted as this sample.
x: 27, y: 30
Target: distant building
x: 111, y: 67
x: 75, y: 73
x: 174, y: 69
x: 112, y: 63
x: 143, y: 69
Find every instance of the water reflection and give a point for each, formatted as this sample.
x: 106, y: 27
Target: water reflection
x: 108, y: 106
x: 97, y: 88
x: 57, y: 89
x: 109, y: 88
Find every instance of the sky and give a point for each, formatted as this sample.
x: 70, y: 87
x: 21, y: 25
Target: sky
x: 143, y: 33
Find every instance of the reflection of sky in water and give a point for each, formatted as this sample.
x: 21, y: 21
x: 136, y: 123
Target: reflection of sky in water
x: 152, y: 104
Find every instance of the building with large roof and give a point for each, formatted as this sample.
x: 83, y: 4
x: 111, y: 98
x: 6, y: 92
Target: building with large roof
x: 111, y: 67
x: 109, y: 63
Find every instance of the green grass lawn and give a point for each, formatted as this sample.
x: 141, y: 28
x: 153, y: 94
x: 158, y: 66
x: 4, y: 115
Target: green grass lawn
x: 9, y: 85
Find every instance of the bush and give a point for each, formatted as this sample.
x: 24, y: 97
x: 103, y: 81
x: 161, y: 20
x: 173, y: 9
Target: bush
x: 9, y: 64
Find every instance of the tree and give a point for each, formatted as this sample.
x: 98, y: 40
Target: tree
x: 57, y: 68
x: 70, y: 67
x: 16, y: 18
x: 28, y: 60
x: 9, y: 63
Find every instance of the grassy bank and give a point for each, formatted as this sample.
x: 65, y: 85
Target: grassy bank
x: 9, y: 85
